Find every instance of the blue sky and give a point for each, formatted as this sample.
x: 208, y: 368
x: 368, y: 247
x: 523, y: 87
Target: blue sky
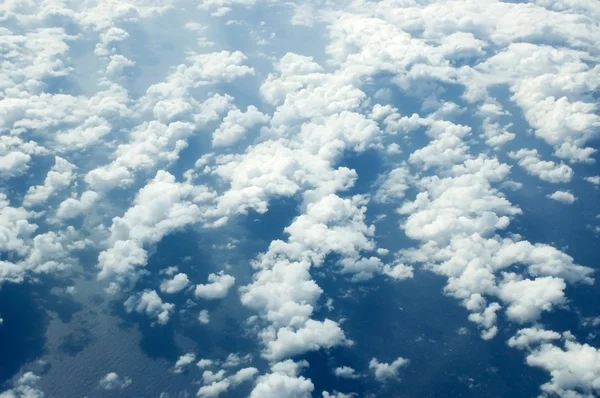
x: 225, y: 198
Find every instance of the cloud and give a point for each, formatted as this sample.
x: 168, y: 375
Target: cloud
x: 58, y: 178
x: 120, y: 136
x: 183, y: 362
x: 214, y: 389
x: 346, y: 372
x: 175, y: 284
x: 203, y: 363
x: 313, y: 335
x: 394, y: 185
x: 159, y: 208
x: 72, y: 207
x: 217, y: 288
x: 112, y: 381
x: 528, y: 298
x: 386, y: 371
x: 235, y: 124
x: 14, y: 164
x: 574, y: 367
x: 215, y: 384
x: 528, y: 337
x: 25, y: 387
x: 546, y: 170
x: 204, y: 317
x: 209, y: 376
x: 565, y: 197
x: 593, y: 180
x: 336, y: 394
x: 283, y: 381
x: 149, y: 302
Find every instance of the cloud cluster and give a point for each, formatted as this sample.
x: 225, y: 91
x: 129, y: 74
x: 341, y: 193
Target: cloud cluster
x: 574, y: 367
x: 113, y: 139
x: 25, y: 387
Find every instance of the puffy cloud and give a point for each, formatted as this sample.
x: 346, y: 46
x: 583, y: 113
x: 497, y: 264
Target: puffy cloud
x: 59, y: 177
x: 160, y: 207
x: 183, y: 362
x: 456, y: 218
x: 385, y: 371
x: 283, y: 381
x: 544, y: 169
x: 15, y: 227
x: 215, y: 384
x: 209, y: 376
x: 235, y: 124
x: 72, y: 207
x: 112, y: 381
x: 25, y: 388
x: 203, y: 363
x: 217, y: 288
x: 44, y: 253
x: 149, y: 302
x: 574, y: 368
x: 346, y: 372
x: 394, y: 185
x: 528, y: 337
x: 528, y: 298
x: 496, y: 135
x: 234, y: 360
x: 121, y: 259
x: 243, y: 375
x: 313, y: 335
x: 204, y: 317
x: 117, y: 65
x: 593, y: 180
x: 565, y: 197
x: 214, y: 389
x: 14, y: 164
x: 175, y: 284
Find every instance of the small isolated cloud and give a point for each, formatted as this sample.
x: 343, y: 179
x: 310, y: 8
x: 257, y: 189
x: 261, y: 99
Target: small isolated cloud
x: 150, y: 303
x: 346, y: 372
x: 593, y: 180
x: 217, y: 288
x: 175, y: 284
x: 216, y: 383
x: 112, y: 381
x: 337, y: 394
x: 565, y: 197
x: 204, y: 363
x: 183, y: 362
x: 386, y: 371
x: 204, y: 317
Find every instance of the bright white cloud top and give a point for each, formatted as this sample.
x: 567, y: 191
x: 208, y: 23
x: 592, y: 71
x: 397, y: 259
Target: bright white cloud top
x: 467, y: 118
